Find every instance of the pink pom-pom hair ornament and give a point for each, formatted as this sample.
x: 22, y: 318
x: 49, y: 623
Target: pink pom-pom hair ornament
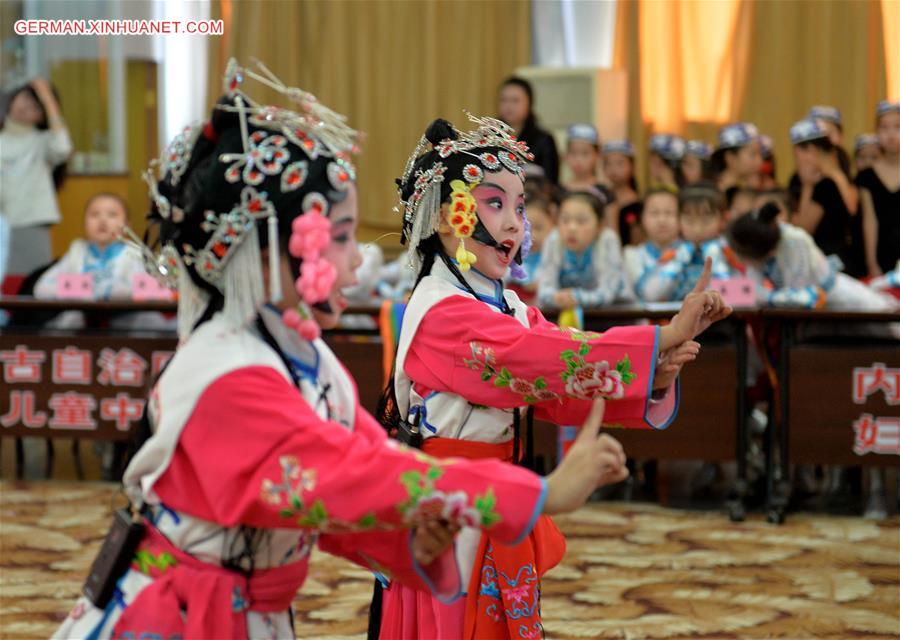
x: 304, y: 325
x: 310, y: 235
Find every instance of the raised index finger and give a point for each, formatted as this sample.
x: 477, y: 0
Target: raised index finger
x: 705, y: 277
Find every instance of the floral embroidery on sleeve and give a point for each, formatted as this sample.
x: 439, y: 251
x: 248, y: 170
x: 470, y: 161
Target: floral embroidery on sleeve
x: 588, y: 380
x: 288, y: 494
x: 427, y: 503
x: 423, y: 500
x: 583, y: 380
x: 483, y: 360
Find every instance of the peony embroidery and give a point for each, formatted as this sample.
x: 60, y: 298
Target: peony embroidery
x: 583, y: 380
x: 425, y: 502
x: 594, y: 379
x: 484, y: 361
x: 589, y: 380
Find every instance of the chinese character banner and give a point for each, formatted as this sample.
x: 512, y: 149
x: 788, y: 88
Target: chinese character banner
x: 84, y: 386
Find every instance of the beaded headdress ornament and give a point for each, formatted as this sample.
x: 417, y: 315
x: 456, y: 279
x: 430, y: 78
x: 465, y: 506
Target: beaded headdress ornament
x: 491, y: 147
x: 229, y: 260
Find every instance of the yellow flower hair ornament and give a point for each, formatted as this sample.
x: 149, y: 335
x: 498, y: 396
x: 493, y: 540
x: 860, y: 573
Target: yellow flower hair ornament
x: 462, y: 220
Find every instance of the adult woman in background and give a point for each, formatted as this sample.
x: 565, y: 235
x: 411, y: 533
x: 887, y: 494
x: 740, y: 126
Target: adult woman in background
x: 34, y: 146
x: 515, y: 105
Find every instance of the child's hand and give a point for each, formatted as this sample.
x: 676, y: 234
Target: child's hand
x: 700, y: 309
x: 431, y: 539
x: 565, y: 299
x: 672, y: 360
x: 593, y: 461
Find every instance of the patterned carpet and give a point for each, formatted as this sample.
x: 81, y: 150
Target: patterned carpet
x: 631, y: 571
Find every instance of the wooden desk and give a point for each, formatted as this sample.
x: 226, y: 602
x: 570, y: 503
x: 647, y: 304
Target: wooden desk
x: 819, y: 420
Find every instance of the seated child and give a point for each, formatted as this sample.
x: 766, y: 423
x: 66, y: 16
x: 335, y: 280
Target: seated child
x: 767, y: 179
x: 111, y: 263
x: 582, y: 157
x: 701, y: 219
x: 102, y: 254
x: 738, y: 201
x: 618, y: 166
x: 791, y: 271
x: 664, y: 161
x: 652, y: 266
x: 538, y: 210
x: 889, y: 282
x: 695, y: 164
x: 581, y: 260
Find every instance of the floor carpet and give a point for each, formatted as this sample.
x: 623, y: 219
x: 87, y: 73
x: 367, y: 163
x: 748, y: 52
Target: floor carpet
x: 631, y: 571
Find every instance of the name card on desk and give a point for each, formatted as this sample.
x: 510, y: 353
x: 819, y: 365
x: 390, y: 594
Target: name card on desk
x: 736, y: 292
x: 146, y: 287
x: 75, y: 286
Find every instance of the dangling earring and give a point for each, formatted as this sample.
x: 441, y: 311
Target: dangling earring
x: 462, y: 219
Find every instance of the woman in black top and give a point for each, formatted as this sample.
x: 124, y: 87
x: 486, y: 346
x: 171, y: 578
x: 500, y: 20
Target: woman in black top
x: 514, y: 106
x: 827, y: 198
x: 879, y: 187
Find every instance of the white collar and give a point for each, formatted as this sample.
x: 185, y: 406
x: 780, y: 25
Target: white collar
x: 488, y: 289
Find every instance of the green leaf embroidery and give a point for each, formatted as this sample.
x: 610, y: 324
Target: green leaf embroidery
x: 568, y: 354
x: 296, y: 501
x: 367, y: 521
x: 530, y: 399
x: 505, y: 374
x: 540, y: 383
x: 623, y: 366
x: 316, y: 515
x: 484, y: 504
x: 434, y: 473
x: 485, y: 376
x: 145, y: 559
x: 286, y: 513
x: 501, y: 382
x: 584, y: 349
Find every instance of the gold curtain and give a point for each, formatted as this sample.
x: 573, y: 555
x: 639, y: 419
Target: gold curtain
x: 890, y: 19
x: 392, y: 66
x: 809, y: 53
x: 778, y: 59
x: 627, y: 55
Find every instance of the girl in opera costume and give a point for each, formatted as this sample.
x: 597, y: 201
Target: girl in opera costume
x: 258, y: 447
x: 472, y: 358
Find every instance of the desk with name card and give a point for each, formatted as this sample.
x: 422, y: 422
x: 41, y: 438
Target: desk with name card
x: 838, y: 397
x: 92, y: 383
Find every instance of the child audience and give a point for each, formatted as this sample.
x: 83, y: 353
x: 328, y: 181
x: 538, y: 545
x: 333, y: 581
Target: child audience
x: 737, y: 160
x: 618, y: 165
x: 581, y: 260
x: 664, y: 161
x: 111, y: 263
x: 654, y: 266
x: 538, y: 210
x: 695, y: 164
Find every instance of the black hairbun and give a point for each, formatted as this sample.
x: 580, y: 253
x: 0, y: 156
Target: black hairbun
x: 438, y: 131
x: 768, y: 212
